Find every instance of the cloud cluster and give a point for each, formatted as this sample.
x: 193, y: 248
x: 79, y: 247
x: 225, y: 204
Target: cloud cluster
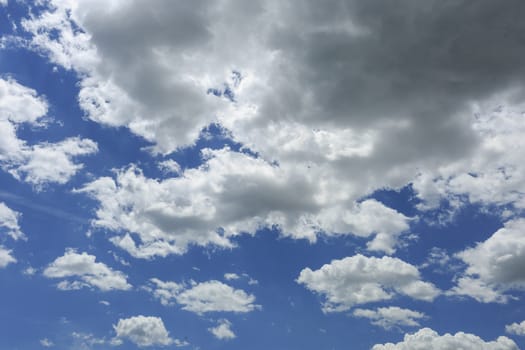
x: 209, y: 296
x: 335, y: 103
x: 516, y: 328
x: 143, y: 331
x: 428, y: 339
x: 41, y: 163
x: 81, y: 270
x: 223, y: 330
x: 359, y: 280
x: 390, y: 317
x: 494, y: 266
x: 230, y: 194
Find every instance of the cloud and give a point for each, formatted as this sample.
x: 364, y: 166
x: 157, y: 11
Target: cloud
x: 428, y: 339
x: 516, y: 328
x: 359, y: 280
x: 223, y: 330
x: 46, y: 343
x: 230, y: 194
x: 5, y: 257
x: 9, y: 222
x: 494, y: 266
x: 390, y: 317
x: 143, y: 331
x: 41, y: 163
x: 215, y: 296
x: 209, y: 296
x: 84, y: 271
x: 330, y: 100
x: 166, y: 292
x: 231, y: 276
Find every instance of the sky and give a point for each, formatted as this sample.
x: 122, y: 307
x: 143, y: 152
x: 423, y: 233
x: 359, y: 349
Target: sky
x: 232, y: 174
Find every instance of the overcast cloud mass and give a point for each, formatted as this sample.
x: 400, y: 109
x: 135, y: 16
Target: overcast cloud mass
x: 262, y: 174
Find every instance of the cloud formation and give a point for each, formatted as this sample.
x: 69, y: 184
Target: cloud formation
x: 143, y: 331
x: 359, y: 280
x: 209, y: 296
x: 495, y: 266
x: 41, y: 163
x: 390, y: 317
x: 81, y: 270
x: 428, y: 339
x: 516, y: 328
x: 223, y: 330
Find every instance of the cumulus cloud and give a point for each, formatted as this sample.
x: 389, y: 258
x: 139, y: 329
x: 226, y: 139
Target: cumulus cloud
x: 41, y: 163
x: 83, y: 271
x: 315, y: 92
x: 5, y: 257
x: 209, y: 296
x: 9, y: 222
x: 516, y: 328
x: 495, y: 266
x: 230, y: 194
x: 390, y: 317
x: 359, y: 280
x: 223, y: 330
x: 428, y: 339
x: 143, y: 331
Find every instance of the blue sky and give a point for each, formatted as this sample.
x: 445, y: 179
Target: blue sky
x: 232, y: 175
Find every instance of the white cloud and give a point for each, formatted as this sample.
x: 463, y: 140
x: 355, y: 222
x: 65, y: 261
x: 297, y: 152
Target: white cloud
x: 494, y: 266
x: 223, y: 330
x: 516, y: 328
x: 390, y: 317
x: 359, y: 280
x: 142, y: 331
x: 166, y: 292
x: 209, y: 296
x: 373, y: 125
x: 231, y: 276
x: 9, y: 222
x: 46, y: 343
x: 5, y: 257
x: 41, y: 163
x: 232, y: 193
x: 428, y: 339
x: 170, y: 166
x: 215, y: 296
x: 85, y: 272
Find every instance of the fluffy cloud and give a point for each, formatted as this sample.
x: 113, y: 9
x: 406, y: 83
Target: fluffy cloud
x: 314, y: 90
x: 165, y: 292
x: 428, y: 339
x: 359, y: 280
x: 516, y: 328
x: 84, y: 271
x: 9, y: 222
x: 223, y: 330
x: 232, y: 193
x: 390, y: 317
x: 143, y: 331
x: 210, y: 296
x: 333, y: 112
x: 41, y: 163
x: 494, y: 266
x: 5, y: 257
